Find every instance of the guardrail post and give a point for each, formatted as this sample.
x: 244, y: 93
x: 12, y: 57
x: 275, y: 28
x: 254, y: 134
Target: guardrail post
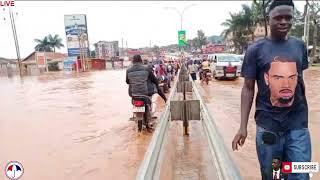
x: 185, y: 110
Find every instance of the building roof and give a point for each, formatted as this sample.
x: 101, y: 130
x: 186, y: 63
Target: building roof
x: 49, y: 55
x: 6, y: 61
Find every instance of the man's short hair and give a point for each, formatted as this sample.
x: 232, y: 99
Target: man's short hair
x: 279, y: 59
x: 137, y: 58
x: 275, y: 3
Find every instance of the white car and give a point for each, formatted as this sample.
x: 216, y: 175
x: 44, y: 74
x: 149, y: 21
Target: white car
x: 226, y: 66
x: 241, y: 56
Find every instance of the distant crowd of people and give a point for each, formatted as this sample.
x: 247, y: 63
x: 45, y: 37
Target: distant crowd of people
x: 198, y: 66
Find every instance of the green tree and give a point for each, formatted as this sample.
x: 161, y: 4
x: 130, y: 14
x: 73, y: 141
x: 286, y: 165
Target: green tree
x: 241, y: 25
x: 93, y: 54
x: 49, y: 43
x: 315, y: 19
x: 201, y: 39
x: 43, y: 45
x: 55, y: 42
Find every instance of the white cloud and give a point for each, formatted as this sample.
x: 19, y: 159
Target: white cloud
x: 135, y: 22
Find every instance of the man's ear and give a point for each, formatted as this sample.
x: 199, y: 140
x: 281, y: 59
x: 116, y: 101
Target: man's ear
x: 268, y: 19
x: 266, y: 78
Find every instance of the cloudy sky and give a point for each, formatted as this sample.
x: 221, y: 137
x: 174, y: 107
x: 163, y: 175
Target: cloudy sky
x: 137, y: 22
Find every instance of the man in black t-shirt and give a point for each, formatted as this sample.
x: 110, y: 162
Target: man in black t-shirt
x: 276, y: 63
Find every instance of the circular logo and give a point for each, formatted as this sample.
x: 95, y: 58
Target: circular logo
x: 14, y: 170
x: 287, y: 167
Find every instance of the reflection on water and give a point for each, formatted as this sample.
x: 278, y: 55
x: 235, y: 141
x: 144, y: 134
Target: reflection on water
x: 72, y: 126
x: 187, y: 157
x: 223, y: 100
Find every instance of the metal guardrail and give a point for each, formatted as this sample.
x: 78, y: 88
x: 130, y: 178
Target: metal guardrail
x: 151, y: 165
x: 226, y: 168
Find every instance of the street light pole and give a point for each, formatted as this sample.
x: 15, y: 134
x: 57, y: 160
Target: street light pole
x: 14, y: 31
x: 181, y: 15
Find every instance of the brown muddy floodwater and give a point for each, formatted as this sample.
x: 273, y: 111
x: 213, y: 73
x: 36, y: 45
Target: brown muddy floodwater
x: 187, y: 157
x: 68, y: 126
x: 223, y: 101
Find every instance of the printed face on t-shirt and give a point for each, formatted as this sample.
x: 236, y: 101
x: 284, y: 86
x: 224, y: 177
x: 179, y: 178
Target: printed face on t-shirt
x: 276, y: 164
x: 282, y: 79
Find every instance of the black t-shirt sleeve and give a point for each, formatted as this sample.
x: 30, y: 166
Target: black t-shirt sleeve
x: 305, y: 63
x: 249, y: 68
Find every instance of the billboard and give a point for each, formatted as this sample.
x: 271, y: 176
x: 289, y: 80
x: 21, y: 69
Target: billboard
x: 68, y: 63
x: 76, y: 26
x: 41, y: 60
x: 182, y: 38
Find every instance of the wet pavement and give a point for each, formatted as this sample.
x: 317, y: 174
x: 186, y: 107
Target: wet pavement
x: 223, y: 101
x: 68, y: 126
x: 187, y: 157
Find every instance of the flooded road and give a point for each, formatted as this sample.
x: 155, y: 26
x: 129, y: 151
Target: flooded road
x: 187, y: 157
x: 223, y: 101
x: 76, y: 127
x: 70, y: 126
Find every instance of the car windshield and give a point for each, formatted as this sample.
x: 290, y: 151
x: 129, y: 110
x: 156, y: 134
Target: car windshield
x: 228, y: 58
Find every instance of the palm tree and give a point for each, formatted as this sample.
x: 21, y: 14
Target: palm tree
x: 43, y: 45
x: 240, y: 25
x: 55, y: 42
x: 49, y: 43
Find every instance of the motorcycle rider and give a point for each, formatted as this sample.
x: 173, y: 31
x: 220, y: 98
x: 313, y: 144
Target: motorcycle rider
x: 205, y: 66
x: 141, y: 81
x: 161, y: 71
x: 170, y: 70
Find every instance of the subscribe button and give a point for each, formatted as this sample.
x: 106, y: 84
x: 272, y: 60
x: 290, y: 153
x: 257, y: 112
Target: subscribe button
x: 300, y: 167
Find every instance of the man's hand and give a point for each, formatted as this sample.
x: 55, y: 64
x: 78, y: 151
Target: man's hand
x: 239, y: 138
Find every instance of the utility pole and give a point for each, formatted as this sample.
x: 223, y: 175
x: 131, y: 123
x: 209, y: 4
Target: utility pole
x: 315, y: 32
x: 306, y: 22
x: 14, y: 31
x: 122, y: 46
x: 315, y: 9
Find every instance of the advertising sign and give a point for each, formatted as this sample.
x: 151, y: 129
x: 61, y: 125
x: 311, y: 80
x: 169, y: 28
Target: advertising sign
x: 182, y: 38
x: 41, y: 60
x: 77, y: 34
x: 68, y: 63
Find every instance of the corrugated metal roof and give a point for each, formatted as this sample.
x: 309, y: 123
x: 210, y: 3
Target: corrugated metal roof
x: 6, y: 61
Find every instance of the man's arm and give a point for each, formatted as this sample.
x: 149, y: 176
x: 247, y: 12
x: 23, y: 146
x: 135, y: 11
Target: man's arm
x: 247, y: 95
x: 249, y: 72
x: 156, y: 82
x: 153, y: 78
x: 127, y: 80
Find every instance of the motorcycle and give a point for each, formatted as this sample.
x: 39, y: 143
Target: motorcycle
x: 143, y: 110
x: 163, y: 84
x: 206, y: 76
